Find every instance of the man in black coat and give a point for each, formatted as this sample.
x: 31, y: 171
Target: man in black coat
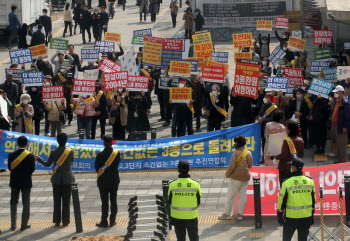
x: 86, y: 23
x: 38, y: 37
x: 11, y: 90
x: 21, y: 164
x: 103, y: 23
x: 95, y: 19
x: 106, y: 166
x: 45, y: 66
x: 47, y: 23
x: 242, y: 113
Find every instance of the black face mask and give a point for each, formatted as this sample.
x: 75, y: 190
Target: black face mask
x: 9, y: 80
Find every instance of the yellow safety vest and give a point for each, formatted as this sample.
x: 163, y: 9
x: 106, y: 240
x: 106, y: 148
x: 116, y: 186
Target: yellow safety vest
x: 300, y: 194
x: 184, y: 203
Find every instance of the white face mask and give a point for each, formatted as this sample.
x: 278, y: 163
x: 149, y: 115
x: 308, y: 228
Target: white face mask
x: 265, y: 100
x: 45, y: 60
x: 214, y: 92
x: 264, y: 62
x: 181, y: 85
x: 282, y: 71
x: 25, y: 102
x: 34, y: 89
x: 252, y: 51
x: 63, y: 71
x: 284, y: 36
x: 162, y: 71
x: 296, y: 57
x: 291, y: 169
x: 285, y: 48
x: 264, y: 42
x: 336, y: 95
x: 145, y: 67
x: 47, y: 84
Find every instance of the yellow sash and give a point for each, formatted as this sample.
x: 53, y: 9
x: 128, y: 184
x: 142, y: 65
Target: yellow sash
x: 108, y: 163
x: 61, y: 77
x: 85, y: 102
x: 26, y: 120
x: 60, y: 161
x: 308, y: 101
x: 99, y: 95
x: 145, y: 72
x: 190, y: 106
x: 269, y: 110
x: 292, y: 149
x: 19, y: 159
x: 222, y: 111
x: 242, y: 156
x: 109, y: 95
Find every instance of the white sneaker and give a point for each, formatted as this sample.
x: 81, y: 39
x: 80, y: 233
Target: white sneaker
x: 47, y: 134
x: 239, y: 217
x: 331, y: 154
x: 224, y: 216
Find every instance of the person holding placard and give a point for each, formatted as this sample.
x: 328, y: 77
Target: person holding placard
x: 24, y: 113
x: 264, y: 43
x: 11, y: 90
x: 118, y: 115
x: 285, y: 37
x: 59, y: 64
x: 137, y: 113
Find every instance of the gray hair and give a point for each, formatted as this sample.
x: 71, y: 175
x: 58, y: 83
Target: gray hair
x: 25, y: 95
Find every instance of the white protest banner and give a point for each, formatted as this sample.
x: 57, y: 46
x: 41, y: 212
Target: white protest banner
x: 84, y: 87
x: 137, y: 83
x: 90, y: 74
x: 52, y: 93
x: 343, y: 72
x: 277, y: 84
x: 128, y: 62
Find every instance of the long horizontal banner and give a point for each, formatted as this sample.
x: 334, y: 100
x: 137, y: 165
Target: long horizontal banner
x: 212, y: 149
x: 329, y: 177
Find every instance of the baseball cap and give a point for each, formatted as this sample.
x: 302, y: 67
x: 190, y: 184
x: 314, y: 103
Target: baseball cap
x: 47, y: 77
x: 338, y: 88
x: 297, y: 162
x: 183, y: 166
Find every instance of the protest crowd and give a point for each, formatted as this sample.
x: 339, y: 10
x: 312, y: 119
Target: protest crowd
x: 108, y: 85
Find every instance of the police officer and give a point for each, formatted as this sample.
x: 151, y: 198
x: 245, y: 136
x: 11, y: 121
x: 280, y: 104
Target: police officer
x: 184, y: 198
x: 297, y: 197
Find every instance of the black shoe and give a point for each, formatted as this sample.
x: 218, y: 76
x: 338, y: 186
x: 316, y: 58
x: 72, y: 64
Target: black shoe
x: 161, y: 119
x: 65, y: 224
x: 57, y: 224
x: 64, y: 35
x: 102, y: 224
x: 69, y: 123
x: 75, y: 33
x: 84, y: 42
x: 112, y: 224
x: 13, y: 228
x: 89, y: 40
x: 26, y: 227
x: 167, y: 123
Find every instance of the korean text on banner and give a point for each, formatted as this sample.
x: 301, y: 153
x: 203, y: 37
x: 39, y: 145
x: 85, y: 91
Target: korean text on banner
x: 32, y: 78
x: 143, y: 32
x: 277, y: 84
x: 201, y: 61
x: 247, y: 79
x: 152, y: 50
x: 91, y: 74
x: 289, y: 91
x: 180, y: 68
x: 219, y: 56
x: 173, y: 44
x: 52, y: 93
x: 39, y: 50
x: 113, y: 37
x: 282, y: 22
x: 218, y: 64
x: 213, y: 74
x: 115, y: 80
x: 170, y: 55
x: 343, y: 72
x: 277, y: 53
x: 295, y: 76
x: 84, y: 87
x: 264, y: 25
x: 104, y: 46
x: 17, y: 73
x: 323, y: 36
x: 180, y: 95
x: 108, y: 66
x: 137, y: 40
x: 21, y: 56
x: 323, y: 54
x: 242, y: 40
x: 212, y: 149
x: 203, y: 45
x: 320, y: 86
x: 330, y: 74
x: 194, y: 65
x: 59, y: 44
x: 317, y: 66
x: 90, y: 54
x: 163, y: 82
x: 137, y: 83
x: 242, y: 55
x: 296, y: 43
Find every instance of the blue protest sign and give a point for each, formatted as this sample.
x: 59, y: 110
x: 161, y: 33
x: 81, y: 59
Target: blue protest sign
x: 330, y: 74
x: 90, y: 54
x: 277, y: 54
x: 163, y: 82
x: 219, y: 56
x: 143, y: 32
x: 194, y: 65
x: 289, y: 91
x: 277, y: 84
x: 21, y: 56
x: 210, y: 149
x: 316, y: 66
x: 170, y: 55
x: 320, y: 86
x: 32, y: 78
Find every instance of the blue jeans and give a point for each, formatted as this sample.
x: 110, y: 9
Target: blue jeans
x: 85, y: 123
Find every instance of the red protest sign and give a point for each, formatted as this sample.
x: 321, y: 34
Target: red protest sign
x: 295, y: 76
x: 84, y: 87
x: 137, y: 83
x: 52, y: 93
x: 282, y: 22
x: 173, y: 44
x: 108, y: 66
x: 264, y: 25
x: 115, y: 80
x: 246, y: 79
x: 323, y: 36
x: 213, y: 74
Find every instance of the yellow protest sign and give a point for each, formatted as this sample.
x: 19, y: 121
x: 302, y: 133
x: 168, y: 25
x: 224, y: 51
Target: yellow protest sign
x: 180, y: 68
x: 242, y: 40
x: 296, y: 43
x: 201, y: 61
x: 38, y: 50
x: 180, y: 95
x: 203, y: 45
x: 113, y: 37
x: 152, y: 50
x: 243, y: 55
x: 218, y: 64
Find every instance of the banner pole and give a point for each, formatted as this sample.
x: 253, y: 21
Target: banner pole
x: 321, y: 213
x: 347, y: 199
x: 341, y: 212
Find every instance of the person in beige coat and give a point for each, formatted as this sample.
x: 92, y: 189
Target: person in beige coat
x: 189, y: 18
x: 118, y: 115
x: 55, y: 108
x: 68, y: 19
x: 143, y: 9
x: 239, y: 176
x: 26, y: 111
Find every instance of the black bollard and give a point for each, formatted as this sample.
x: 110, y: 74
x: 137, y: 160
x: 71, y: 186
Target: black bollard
x: 165, y: 185
x: 257, y: 202
x: 153, y: 133
x: 81, y: 134
x: 347, y: 199
x: 76, y: 206
x: 124, y: 5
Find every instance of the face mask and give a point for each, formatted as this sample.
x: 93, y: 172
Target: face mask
x: 264, y: 62
x: 291, y: 169
x: 296, y: 57
x: 284, y: 36
x: 285, y: 48
x: 253, y: 41
x: 336, y: 95
x: 63, y: 71
x: 34, y: 89
x: 145, y: 67
x: 45, y: 60
x: 214, y: 92
x: 47, y: 83
x: 181, y: 85
x: 264, y: 42
x: 139, y: 59
x: 265, y: 100
x: 252, y: 51
x: 25, y: 102
x: 162, y: 71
